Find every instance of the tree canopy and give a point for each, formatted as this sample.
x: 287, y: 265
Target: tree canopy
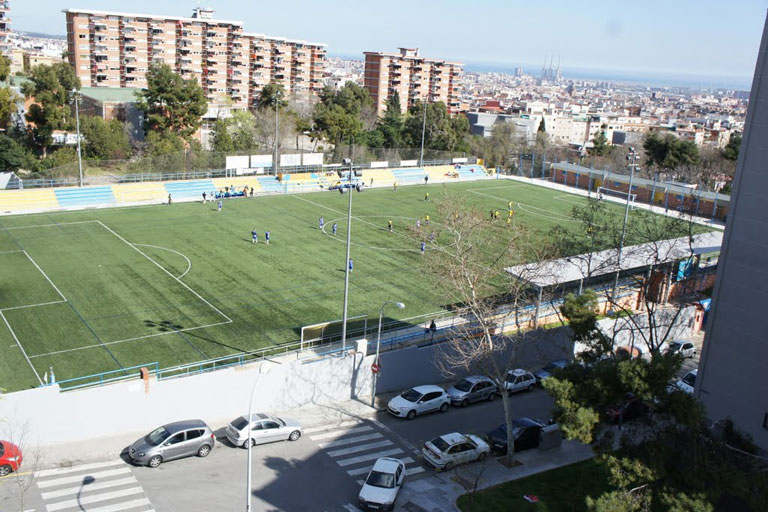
x: 731, y: 150
x: 669, y: 152
x: 170, y: 103
x: 104, y: 139
x: 340, y: 114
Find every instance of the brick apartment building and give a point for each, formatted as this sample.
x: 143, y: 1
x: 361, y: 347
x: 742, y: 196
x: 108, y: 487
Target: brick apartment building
x: 413, y: 77
x: 111, y: 49
x: 5, y: 26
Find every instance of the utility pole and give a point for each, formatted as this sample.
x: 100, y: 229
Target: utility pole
x: 277, y: 141
x: 76, y: 101
x: 347, y: 161
x: 631, y: 157
x: 423, y: 132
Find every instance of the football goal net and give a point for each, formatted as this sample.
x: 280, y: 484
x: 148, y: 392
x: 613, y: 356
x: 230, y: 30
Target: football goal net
x: 603, y: 192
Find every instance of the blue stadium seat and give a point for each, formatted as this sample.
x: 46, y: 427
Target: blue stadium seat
x: 88, y: 196
x: 194, y: 189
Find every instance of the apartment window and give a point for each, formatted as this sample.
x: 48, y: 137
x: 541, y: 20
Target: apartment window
x: 82, y: 36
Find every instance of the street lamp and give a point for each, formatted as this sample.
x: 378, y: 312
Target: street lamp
x: 76, y: 101
x: 400, y: 305
x: 423, y: 132
x: 277, y: 136
x: 631, y: 157
x: 347, y: 161
x: 262, y: 371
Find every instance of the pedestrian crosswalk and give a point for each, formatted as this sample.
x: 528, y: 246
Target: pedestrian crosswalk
x: 96, y: 487
x: 356, y: 444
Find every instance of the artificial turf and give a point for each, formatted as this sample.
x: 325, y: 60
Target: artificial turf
x: 113, y: 288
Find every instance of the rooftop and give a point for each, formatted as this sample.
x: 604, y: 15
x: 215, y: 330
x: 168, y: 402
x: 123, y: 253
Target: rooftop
x: 110, y: 94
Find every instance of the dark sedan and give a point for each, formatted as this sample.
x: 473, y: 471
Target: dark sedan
x: 526, y: 432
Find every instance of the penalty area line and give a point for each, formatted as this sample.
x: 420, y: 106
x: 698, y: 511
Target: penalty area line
x: 24, y: 352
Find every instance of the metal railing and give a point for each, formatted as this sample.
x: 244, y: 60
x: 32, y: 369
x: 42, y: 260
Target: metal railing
x: 99, y: 379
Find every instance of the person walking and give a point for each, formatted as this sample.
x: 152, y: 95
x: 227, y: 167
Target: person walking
x: 170, y: 199
x: 389, y: 225
x: 351, y: 265
x: 334, y: 228
x: 266, y: 237
x: 220, y: 205
x: 203, y: 197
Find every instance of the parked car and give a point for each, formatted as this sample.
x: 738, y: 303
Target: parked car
x: 518, y: 380
x: 449, y: 450
x: 549, y: 369
x: 688, y: 382
x: 631, y: 408
x: 173, y: 441
x: 380, y: 488
x: 419, y: 400
x: 10, y: 458
x: 525, y: 431
x: 683, y: 347
x: 264, y: 429
x: 472, y: 389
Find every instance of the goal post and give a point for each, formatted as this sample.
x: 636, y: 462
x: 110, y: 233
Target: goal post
x: 619, y: 194
x: 326, y: 332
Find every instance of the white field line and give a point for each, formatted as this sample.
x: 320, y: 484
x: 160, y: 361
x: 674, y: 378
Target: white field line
x: 51, y: 225
x: 107, y: 343
x: 189, y: 263
x: 547, y: 213
x: 77, y: 469
x: 11, y: 252
x: 34, y: 305
x: 367, y: 457
x: 229, y: 320
x: 515, y: 185
x: 45, y: 275
x: 22, y: 348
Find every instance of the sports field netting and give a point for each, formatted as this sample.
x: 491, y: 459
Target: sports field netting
x: 99, y: 290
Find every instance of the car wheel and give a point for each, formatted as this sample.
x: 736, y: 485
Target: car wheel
x: 448, y: 466
x: 464, y: 402
x: 411, y: 415
x: 155, y: 461
x: 444, y: 408
x: 5, y: 470
x: 482, y: 456
x: 295, y: 435
x: 492, y: 397
x: 693, y: 354
x: 203, y: 451
x: 529, y: 388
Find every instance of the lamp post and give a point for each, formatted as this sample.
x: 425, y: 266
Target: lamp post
x: 423, y: 132
x: 262, y: 370
x: 277, y: 122
x: 400, y: 305
x: 347, y: 161
x: 76, y: 101
x: 631, y: 157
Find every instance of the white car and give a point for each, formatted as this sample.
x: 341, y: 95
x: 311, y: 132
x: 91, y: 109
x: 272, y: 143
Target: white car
x: 519, y: 380
x: 384, y: 481
x: 688, y: 382
x: 419, y: 400
x: 449, y: 450
x: 264, y: 429
x: 684, y: 348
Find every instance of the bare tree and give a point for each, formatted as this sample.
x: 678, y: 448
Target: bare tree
x: 467, y: 264
x: 19, y: 433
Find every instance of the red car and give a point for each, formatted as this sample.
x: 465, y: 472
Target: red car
x: 10, y: 458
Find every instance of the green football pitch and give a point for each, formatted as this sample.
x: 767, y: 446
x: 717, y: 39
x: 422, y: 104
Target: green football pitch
x: 99, y: 290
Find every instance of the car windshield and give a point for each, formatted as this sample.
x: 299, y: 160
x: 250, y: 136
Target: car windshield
x: 379, y: 479
x: 240, y: 423
x: 674, y: 347
x: 511, y: 377
x: 2, y: 449
x: 411, y: 395
x: 157, y: 436
x: 463, y: 385
x: 690, y: 379
x: 440, y: 444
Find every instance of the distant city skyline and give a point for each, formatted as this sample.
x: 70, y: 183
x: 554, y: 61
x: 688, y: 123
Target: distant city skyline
x: 716, y: 42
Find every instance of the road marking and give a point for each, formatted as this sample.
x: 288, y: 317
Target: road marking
x: 414, y: 471
x: 327, y: 427
x: 351, y: 508
x: 360, y: 448
x: 366, y: 469
x: 370, y: 456
x: 83, y: 467
x: 84, y: 500
x: 119, y: 507
x: 340, y: 433
x: 90, y: 487
x: 349, y: 440
x: 79, y: 478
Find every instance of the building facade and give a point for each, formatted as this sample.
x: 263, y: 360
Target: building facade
x: 733, y: 373
x: 111, y: 49
x: 413, y: 77
x: 5, y: 26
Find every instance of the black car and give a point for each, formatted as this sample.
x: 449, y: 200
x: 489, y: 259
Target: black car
x: 632, y: 408
x: 526, y: 432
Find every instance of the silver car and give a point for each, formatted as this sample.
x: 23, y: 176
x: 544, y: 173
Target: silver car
x: 173, y: 441
x: 683, y: 347
x: 472, y: 389
x: 264, y: 429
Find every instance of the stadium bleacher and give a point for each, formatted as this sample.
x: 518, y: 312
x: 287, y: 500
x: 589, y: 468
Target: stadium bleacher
x: 86, y: 196
x: 28, y: 200
x: 189, y: 189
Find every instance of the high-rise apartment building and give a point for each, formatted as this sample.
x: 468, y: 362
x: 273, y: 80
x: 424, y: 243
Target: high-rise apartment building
x: 414, y: 78
x: 112, y: 49
x: 733, y: 372
x: 5, y: 26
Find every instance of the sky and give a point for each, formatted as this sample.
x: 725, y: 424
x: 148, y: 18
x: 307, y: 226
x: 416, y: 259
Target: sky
x: 704, y: 38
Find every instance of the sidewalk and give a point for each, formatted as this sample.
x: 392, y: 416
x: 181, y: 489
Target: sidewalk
x: 440, y: 491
